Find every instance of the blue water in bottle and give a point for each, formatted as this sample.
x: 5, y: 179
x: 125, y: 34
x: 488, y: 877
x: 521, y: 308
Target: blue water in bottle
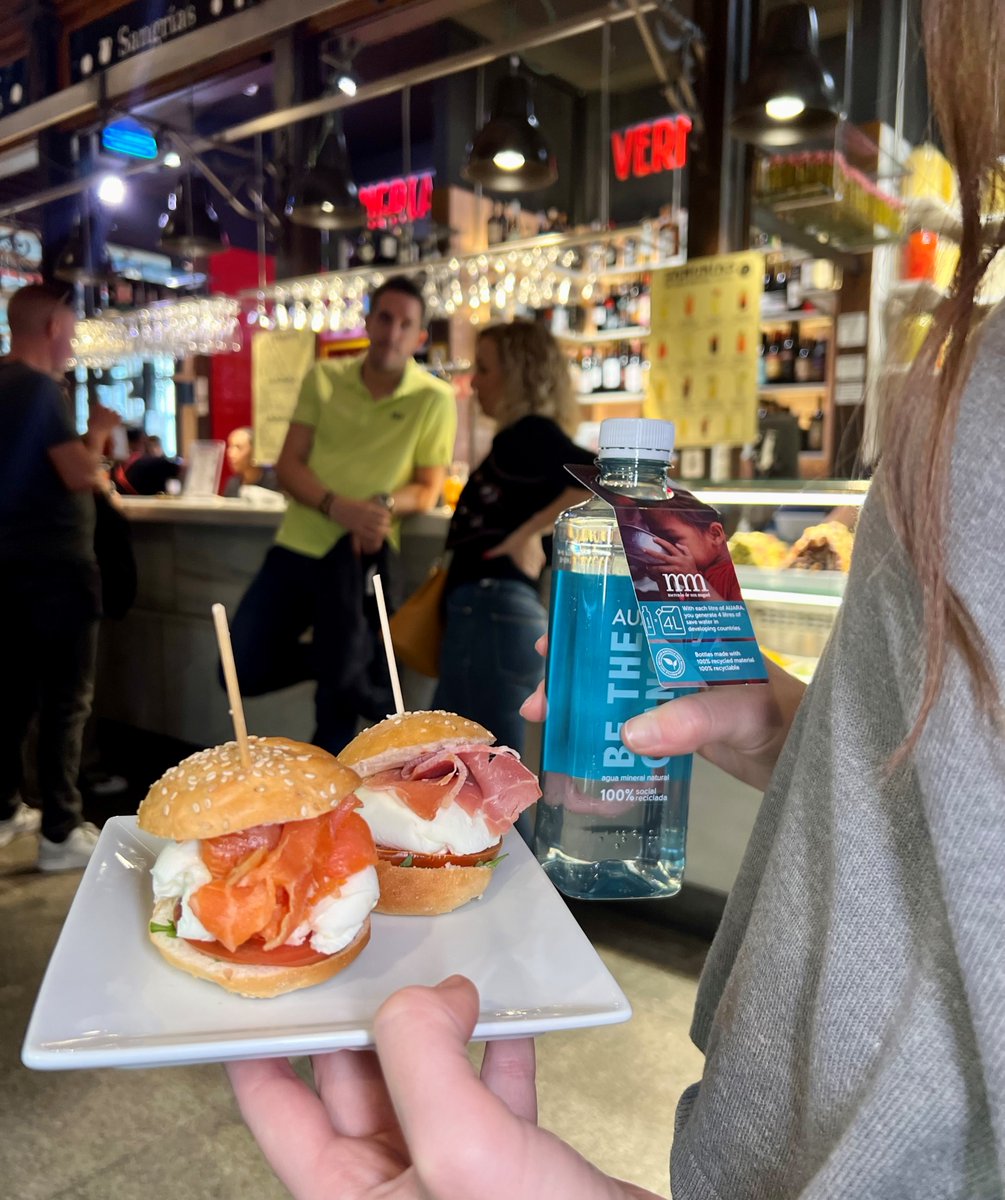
x: 610, y: 824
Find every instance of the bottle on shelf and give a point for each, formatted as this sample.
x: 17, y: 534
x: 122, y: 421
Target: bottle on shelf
x: 632, y: 370
x: 668, y: 235
x: 815, y: 433
x: 585, y: 378
x: 609, y: 825
x: 611, y: 319
x: 773, y: 358
x: 408, y: 247
x: 643, y: 307
x: 597, y: 370
x: 611, y: 370
x: 787, y: 357
x: 818, y: 359
x: 599, y: 314
x: 365, y: 251
x: 762, y: 377
x: 794, y: 290
x: 513, y: 221
x: 387, y: 246
x: 497, y: 224
x: 804, y: 361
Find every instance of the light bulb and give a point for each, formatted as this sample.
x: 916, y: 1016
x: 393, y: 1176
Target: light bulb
x: 508, y: 160
x: 172, y: 159
x: 784, y: 108
x: 111, y: 191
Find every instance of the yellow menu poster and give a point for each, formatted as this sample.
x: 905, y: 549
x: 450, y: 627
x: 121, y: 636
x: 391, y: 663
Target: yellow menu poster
x: 703, y: 348
x: 279, y: 361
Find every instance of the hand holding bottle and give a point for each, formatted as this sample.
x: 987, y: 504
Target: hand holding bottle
x: 740, y: 729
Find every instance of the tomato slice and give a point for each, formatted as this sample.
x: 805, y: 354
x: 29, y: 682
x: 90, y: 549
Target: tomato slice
x: 396, y: 857
x: 253, y: 953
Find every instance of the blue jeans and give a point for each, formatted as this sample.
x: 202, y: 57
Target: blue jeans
x: 488, y: 664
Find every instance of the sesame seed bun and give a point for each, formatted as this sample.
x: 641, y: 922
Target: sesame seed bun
x: 211, y: 792
x: 242, y: 978
x: 395, y: 740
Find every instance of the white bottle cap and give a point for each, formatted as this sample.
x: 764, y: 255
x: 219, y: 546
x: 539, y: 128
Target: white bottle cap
x: 636, y: 437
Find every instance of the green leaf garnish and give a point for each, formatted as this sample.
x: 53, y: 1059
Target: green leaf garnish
x: 493, y: 863
x: 169, y: 928
x: 407, y: 861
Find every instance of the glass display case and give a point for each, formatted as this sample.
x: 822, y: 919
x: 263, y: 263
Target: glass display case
x: 792, y: 545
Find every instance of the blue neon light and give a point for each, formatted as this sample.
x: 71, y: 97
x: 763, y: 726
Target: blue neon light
x: 129, y: 138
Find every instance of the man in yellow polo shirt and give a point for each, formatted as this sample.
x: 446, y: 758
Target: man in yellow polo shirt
x: 369, y: 443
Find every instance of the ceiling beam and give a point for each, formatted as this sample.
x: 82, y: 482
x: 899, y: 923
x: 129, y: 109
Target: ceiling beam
x: 139, y: 73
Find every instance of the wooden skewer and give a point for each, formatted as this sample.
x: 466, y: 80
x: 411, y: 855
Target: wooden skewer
x: 230, y: 675
x: 385, y: 630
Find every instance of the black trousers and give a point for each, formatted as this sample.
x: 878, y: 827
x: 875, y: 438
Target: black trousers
x: 49, y: 624
x: 332, y: 595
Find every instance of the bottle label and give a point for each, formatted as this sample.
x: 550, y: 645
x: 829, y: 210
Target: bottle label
x: 596, y: 684
x: 688, y: 596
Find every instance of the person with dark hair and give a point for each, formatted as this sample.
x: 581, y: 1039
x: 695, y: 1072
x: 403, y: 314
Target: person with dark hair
x: 850, y: 1008
x: 494, y: 614
x: 144, y: 472
x: 50, y: 598
x: 368, y: 444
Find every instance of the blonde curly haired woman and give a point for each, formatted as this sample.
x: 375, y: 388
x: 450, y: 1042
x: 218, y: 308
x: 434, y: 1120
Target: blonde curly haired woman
x: 494, y: 614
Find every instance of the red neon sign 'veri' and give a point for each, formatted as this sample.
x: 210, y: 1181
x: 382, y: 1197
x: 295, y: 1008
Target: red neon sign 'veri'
x: 403, y: 199
x: 651, y: 147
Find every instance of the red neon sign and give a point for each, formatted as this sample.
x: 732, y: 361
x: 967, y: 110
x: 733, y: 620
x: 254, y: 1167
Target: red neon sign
x: 651, y: 147
x: 408, y: 198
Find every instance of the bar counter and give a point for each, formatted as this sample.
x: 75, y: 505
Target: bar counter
x: 157, y: 666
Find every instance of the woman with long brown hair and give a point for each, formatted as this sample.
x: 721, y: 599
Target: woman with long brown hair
x: 852, y: 1006
x: 493, y: 612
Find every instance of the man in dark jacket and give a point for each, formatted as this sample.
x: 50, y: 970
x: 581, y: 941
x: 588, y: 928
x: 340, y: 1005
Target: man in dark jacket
x: 50, y: 599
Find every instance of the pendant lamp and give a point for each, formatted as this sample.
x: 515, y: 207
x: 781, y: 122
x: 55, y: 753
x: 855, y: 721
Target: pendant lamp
x: 509, y: 152
x: 84, y: 258
x: 192, y: 229
x: 789, y: 96
x: 323, y: 195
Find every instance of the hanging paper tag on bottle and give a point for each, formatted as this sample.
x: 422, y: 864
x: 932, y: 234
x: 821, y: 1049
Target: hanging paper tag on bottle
x: 692, y: 612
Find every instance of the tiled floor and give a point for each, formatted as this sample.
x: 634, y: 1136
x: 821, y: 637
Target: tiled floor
x: 174, y: 1134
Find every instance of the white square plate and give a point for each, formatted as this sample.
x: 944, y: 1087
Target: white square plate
x: 108, y: 999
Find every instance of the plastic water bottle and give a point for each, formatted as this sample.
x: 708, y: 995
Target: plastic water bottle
x: 610, y: 824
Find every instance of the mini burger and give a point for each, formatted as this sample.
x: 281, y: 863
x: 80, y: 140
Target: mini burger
x: 438, y: 797
x: 269, y: 878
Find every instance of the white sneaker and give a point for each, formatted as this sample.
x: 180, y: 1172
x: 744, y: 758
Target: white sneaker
x: 24, y: 821
x: 70, y: 855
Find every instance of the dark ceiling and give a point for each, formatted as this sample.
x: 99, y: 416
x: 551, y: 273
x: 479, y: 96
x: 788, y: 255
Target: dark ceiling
x: 373, y: 129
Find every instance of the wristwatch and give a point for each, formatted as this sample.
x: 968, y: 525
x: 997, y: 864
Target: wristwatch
x: 386, y: 499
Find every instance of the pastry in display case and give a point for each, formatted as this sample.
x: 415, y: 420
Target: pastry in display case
x: 792, y: 568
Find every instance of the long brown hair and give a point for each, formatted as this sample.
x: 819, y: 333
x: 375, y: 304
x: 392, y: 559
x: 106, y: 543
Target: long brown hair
x: 964, y: 43
x: 536, y: 373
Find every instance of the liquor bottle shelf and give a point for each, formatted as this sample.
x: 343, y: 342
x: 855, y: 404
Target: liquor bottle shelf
x: 611, y: 398
x: 630, y: 333
x: 785, y: 316
x: 791, y: 388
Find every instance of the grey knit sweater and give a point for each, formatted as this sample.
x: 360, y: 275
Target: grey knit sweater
x: 852, y: 1008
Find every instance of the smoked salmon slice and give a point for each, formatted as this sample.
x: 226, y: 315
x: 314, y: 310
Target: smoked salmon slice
x: 267, y: 878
